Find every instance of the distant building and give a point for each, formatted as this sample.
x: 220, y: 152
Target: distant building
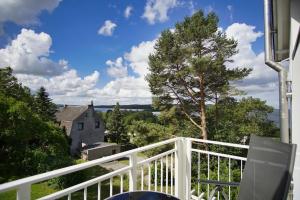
x: 82, y: 125
x: 99, y: 149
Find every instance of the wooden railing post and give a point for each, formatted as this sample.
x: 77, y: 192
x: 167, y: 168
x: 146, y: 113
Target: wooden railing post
x: 23, y: 192
x: 133, y: 172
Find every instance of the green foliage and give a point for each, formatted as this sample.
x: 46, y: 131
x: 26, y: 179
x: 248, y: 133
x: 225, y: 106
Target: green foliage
x: 28, y: 144
x: 44, y: 106
x: 143, y: 133
x: 9, y: 86
x: 234, y: 121
x: 116, y: 127
x: 146, y: 116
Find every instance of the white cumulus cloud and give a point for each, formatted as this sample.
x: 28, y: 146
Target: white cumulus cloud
x: 28, y: 56
x: 116, y: 68
x: 29, y: 53
x: 128, y: 11
x: 157, y: 10
x: 262, y: 82
x: 107, y: 29
x: 138, y: 57
x: 24, y: 12
x: 129, y: 89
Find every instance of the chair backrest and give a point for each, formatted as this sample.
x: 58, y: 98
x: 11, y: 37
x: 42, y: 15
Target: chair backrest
x: 268, y: 170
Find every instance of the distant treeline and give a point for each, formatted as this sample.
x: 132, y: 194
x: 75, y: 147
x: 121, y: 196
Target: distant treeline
x: 132, y: 106
x: 147, y: 107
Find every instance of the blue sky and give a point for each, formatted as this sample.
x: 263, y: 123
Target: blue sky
x: 77, y: 62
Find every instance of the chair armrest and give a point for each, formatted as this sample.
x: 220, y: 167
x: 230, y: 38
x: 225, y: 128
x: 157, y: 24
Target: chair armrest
x: 219, y: 183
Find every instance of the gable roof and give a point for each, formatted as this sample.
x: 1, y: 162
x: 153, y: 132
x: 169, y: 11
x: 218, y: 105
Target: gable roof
x: 69, y: 113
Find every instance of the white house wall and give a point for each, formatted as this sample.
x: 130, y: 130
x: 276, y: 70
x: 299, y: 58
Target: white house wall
x: 295, y: 70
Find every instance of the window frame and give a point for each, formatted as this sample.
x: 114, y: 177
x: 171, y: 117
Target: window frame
x: 80, y: 126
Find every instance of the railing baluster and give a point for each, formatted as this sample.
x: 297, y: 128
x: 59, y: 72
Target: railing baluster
x: 167, y: 174
x: 155, y: 176
x: 241, y: 169
x: 85, y: 193
x: 69, y: 196
x: 218, y: 175
x: 99, y: 190
x: 161, y: 174
x: 207, y: 175
x: 229, y: 174
x: 198, y: 176
x: 149, y: 176
x: 172, y: 174
x: 121, y: 184
x: 110, y: 187
x: 23, y: 192
x: 142, y: 178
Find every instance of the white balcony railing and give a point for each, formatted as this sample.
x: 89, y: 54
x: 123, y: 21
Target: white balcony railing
x: 175, y: 170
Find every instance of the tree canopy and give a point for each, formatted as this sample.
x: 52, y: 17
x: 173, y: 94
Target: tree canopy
x: 115, y: 126
x: 188, y: 67
x: 29, y: 144
x: 45, y: 108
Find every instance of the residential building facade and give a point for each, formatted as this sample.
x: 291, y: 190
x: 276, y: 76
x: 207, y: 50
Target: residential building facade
x: 82, y: 124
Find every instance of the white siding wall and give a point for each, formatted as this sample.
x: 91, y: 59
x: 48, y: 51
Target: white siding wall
x: 295, y: 67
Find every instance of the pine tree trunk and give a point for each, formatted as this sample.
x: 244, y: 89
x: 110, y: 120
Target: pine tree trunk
x: 202, y: 108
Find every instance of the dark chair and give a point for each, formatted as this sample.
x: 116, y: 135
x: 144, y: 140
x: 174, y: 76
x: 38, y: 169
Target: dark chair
x: 142, y: 195
x: 267, y: 174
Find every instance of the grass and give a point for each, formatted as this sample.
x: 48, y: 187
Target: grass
x: 37, y: 191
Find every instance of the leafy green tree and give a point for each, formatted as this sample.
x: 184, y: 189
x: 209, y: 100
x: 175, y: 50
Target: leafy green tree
x: 188, y: 67
x: 116, y: 127
x: 239, y: 119
x: 131, y: 116
x: 10, y: 86
x: 144, y: 133
x: 44, y: 105
x: 28, y: 144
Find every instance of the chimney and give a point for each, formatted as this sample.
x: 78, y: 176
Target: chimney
x: 91, y: 105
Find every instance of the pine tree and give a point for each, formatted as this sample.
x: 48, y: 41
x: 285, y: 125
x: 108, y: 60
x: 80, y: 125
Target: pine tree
x: 116, y: 127
x: 189, y: 69
x: 44, y: 105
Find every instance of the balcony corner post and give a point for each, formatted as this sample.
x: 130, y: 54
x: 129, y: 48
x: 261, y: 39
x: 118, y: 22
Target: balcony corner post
x: 182, y: 168
x: 133, y: 172
x: 23, y: 192
x: 188, y: 153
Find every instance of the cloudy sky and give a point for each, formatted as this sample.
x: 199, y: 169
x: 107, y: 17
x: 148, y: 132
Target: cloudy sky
x: 98, y: 50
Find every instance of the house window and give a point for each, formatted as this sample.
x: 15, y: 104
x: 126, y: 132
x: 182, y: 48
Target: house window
x: 80, y: 126
x: 97, y: 124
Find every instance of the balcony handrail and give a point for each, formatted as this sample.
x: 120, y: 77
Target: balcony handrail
x: 74, y: 168
x: 220, y: 154
x: 220, y: 143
